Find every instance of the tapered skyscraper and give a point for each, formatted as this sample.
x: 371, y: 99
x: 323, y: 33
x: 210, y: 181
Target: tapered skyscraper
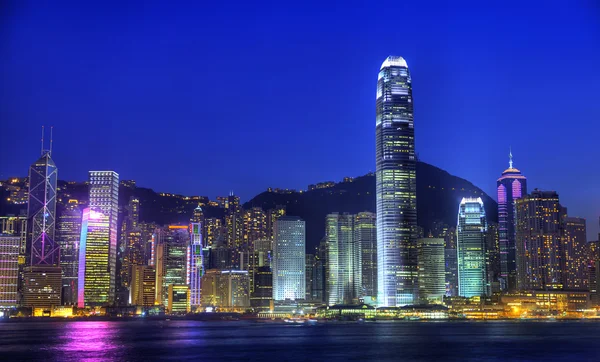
x: 42, y: 277
x: 41, y: 212
x: 512, y: 185
x: 396, y: 186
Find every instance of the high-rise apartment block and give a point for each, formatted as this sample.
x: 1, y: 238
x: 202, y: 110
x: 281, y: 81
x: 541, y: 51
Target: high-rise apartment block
x: 539, y: 241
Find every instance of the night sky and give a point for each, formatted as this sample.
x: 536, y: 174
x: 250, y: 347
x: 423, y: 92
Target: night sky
x: 207, y: 98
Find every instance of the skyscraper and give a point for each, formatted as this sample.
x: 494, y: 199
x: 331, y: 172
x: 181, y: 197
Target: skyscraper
x: 539, y: 244
x: 396, y: 186
x: 171, y: 259
x: 512, y: 185
x: 9, y: 270
x: 308, y: 274
x: 471, y: 248
x: 289, y: 258
x: 574, y: 246
x: 143, y: 285
x: 43, y: 275
x: 450, y: 257
x: 68, y: 233
x: 41, y: 211
x: 254, y: 228
x: 343, y: 268
x: 195, y: 264
x: 262, y: 295
x: 432, y: 276
x: 15, y: 226
x: 98, y: 243
x: 132, y: 244
x: 233, y: 222
x: 365, y: 234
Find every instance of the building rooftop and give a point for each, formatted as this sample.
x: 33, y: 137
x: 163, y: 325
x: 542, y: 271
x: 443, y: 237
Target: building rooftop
x: 394, y: 61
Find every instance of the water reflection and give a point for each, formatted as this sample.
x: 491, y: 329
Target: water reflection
x: 90, y: 341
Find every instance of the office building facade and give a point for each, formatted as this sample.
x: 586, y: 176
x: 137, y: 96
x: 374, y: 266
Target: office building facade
x: 432, y: 272
x: 344, y: 270
x: 68, y: 233
x: 289, y: 259
x: 98, y: 243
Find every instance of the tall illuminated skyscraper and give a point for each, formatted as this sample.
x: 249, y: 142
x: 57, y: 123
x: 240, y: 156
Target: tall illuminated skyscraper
x: 68, y: 233
x: 195, y: 264
x: 98, y: 244
x: 396, y: 186
x: 512, y: 185
x: 471, y: 248
x: 365, y: 234
x: 42, y: 276
x: 289, y: 258
x: 344, y: 267
x: 41, y: 211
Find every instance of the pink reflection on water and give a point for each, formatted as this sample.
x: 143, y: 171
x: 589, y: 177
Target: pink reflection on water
x: 90, y: 341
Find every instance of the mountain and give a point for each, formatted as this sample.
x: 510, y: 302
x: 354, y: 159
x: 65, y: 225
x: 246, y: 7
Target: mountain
x: 438, y: 197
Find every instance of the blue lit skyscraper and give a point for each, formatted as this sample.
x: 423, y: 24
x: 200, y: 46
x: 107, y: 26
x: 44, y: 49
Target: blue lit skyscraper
x: 471, y: 248
x: 512, y: 185
x: 396, y: 186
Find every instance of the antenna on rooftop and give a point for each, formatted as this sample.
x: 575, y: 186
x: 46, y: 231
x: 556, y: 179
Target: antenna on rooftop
x: 42, y: 149
x: 51, y: 128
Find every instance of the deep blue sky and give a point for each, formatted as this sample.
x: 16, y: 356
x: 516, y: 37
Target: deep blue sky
x: 212, y: 97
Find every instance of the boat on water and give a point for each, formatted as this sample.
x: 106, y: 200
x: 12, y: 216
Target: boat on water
x: 296, y: 320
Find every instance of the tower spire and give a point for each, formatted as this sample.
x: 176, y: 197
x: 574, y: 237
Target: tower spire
x: 42, y: 149
x: 510, y: 161
x: 51, y: 128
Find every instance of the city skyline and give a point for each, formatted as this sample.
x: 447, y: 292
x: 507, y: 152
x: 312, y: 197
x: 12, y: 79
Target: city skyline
x: 284, y: 180
x: 180, y: 95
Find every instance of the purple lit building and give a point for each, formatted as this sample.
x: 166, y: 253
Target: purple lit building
x: 512, y: 185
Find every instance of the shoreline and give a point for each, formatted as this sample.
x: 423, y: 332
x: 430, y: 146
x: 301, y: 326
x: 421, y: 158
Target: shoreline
x: 225, y: 319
